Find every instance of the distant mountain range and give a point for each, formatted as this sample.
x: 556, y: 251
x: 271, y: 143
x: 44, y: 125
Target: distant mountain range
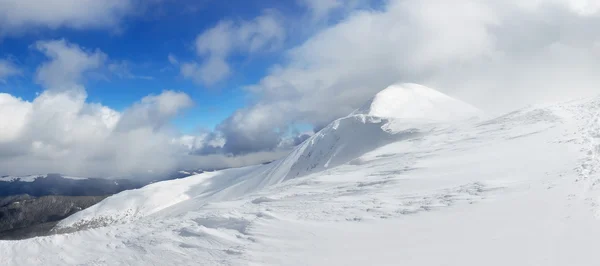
x: 57, y: 184
x: 31, y: 205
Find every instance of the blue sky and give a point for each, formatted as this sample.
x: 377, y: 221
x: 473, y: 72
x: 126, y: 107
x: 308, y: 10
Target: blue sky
x: 143, y: 42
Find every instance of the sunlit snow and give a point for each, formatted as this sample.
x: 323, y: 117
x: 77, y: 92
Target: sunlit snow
x: 422, y: 184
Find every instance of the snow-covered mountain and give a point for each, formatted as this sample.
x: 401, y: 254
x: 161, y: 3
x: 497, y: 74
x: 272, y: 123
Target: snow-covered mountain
x: 412, y: 178
x: 58, y: 184
x: 32, y: 178
x: 31, y: 205
x: 342, y: 141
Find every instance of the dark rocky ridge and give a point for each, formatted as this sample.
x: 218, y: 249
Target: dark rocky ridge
x: 30, y: 209
x: 56, y: 184
x: 24, y: 216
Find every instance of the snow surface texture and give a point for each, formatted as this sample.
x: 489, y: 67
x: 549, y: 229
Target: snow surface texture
x: 521, y: 189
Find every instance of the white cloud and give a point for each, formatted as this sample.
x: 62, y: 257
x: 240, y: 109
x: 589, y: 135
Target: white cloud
x: 321, y: 8
x: 122, y: 69
x: 210, y: 72
x: 154, y: 111
x: 8, y: 69
x: 585, y: 7
x: 68, y: 64
x: 216, y: 45
x: 172, y: 59
x: 256, y: 129
x: 498, y: 55
x: 61, y: 132
x: 581, y: 7
x: 203, y: 143
x: 17, y: 16
x: 15, y: 112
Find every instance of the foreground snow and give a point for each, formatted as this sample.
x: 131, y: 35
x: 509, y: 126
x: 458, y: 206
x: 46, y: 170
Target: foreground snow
x: 367, y: 190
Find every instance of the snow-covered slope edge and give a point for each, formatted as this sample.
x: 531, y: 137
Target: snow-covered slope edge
x: 399, y: 112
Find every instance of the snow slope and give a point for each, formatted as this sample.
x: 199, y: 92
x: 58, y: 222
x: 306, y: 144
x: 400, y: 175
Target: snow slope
x: 521, y: 189
x: 340, y: 142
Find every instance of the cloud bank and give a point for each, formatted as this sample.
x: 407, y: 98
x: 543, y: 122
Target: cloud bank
x: 18, y: 16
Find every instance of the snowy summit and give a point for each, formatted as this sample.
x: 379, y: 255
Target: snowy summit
x: 416, y: 102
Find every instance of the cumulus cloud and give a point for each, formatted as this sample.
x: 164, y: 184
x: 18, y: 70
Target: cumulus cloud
x: 14, y: 111
x: 67, y: 65
x: 61, y: 132
x: 252, y: 130
x: 227, y: 38
x: 8, y: 69
x: 498, y: 55
x: 154, y: 111
x: 17, y: 16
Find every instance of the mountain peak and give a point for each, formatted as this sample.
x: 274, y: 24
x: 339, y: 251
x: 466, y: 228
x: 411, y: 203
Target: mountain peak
x: 416, y: 102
